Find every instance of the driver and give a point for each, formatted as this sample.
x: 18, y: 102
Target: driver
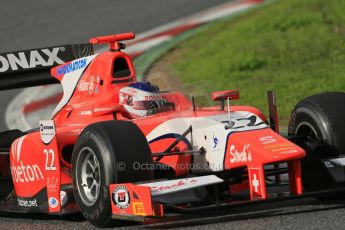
x: 141, y: 99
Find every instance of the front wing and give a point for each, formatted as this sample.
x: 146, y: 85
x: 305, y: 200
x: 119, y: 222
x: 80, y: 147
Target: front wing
x: 138, y: 201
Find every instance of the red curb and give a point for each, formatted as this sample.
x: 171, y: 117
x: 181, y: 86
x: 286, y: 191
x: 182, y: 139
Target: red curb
x: 171, y: 32
x: 37, y: 105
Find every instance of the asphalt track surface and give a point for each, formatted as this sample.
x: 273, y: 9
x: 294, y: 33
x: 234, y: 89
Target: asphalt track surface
x: 42, y: 23
x: 39, y: 23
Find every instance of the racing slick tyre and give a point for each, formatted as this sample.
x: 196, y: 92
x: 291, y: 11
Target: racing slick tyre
x: 105, y: 154
x: 319, y: 120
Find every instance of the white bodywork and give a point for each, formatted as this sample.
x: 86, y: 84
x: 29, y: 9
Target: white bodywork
x: 206, y: 131
x: 70, y: 81
x: 178, y: 185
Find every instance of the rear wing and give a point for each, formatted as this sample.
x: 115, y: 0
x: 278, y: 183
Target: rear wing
x: 32, y: 67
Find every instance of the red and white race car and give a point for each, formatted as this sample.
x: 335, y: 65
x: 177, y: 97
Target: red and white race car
x: 120, y: 149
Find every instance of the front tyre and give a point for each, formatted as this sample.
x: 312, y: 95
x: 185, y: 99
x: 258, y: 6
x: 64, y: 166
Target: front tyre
x: 320, y: 120
x: 105, y: 154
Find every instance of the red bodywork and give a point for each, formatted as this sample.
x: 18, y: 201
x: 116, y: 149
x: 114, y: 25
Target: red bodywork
x: 36, y: 166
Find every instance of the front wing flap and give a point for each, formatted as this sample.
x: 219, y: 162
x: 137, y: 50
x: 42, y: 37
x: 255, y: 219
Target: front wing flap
x: 133, y: 202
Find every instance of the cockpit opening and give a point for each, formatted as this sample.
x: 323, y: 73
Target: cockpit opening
x: 121, y: 68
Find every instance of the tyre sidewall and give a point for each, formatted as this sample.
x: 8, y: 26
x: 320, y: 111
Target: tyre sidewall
x: 100, y: 212
x: 308, y: 112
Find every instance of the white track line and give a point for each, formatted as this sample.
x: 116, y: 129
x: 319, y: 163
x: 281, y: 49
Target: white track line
x: 14, y: 116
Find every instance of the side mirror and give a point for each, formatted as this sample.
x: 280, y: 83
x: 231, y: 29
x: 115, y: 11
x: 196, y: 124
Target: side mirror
x: 224, y: 95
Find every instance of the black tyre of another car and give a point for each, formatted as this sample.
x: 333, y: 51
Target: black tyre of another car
x: 320, y: 120
x: 107, y: 153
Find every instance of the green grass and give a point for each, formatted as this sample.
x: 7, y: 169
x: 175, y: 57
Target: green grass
x: 295, y: 47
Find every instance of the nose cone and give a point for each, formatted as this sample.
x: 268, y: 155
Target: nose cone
x: 259, y: 147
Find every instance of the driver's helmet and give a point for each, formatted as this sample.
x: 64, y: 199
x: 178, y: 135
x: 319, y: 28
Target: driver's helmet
x: 141, y: 99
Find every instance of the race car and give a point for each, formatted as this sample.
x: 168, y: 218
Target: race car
x: 116, y: 149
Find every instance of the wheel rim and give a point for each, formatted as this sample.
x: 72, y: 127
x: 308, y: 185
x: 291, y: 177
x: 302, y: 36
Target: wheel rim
x: 88, y: 176
x: 305, y: 128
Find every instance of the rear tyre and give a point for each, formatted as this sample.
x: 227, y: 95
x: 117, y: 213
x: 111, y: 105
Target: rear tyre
x: 319, y: 118
x: 106, y: 153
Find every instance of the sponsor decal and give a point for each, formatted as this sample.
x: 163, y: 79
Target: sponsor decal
x: 27, y: 203
x: 267, y: 140
x: 255, y: 183
x: 85, y: 113
x: 170, y: 186
x: 83, y: 86
x: 75, y: 132
x: 328, y: 164
x: 30, y: 59
x: 215, y: 142
x: 126, y: 98
x: 47, y: 127
x: 243, y: 155
x: 246, y: 123
x: 105, y: 109
x: 21, y: 172
x: 121, y: 197
x: 52, y: 183
x: 131, y: 90
x: 70, y: 67
x: 255, y: 180
x: 96, y: 89
x: 139, y: 209
x: 53, y: 202
x: 180, y: 183
x: 290, y: 151
x: 50, y: 157
x: 47, y: 130
x: 280, y: 147
x: 91, y: 84
x: 16, y: 148
x: 26, y: 173
x: 63, y: 198
x: 152, y: 97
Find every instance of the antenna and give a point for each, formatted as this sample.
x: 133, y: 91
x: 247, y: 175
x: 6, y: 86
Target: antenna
x: 113, y: 40
x: 193, y: 102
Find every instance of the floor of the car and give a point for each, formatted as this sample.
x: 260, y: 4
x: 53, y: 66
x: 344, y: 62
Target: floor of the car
x: 6, y: 187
